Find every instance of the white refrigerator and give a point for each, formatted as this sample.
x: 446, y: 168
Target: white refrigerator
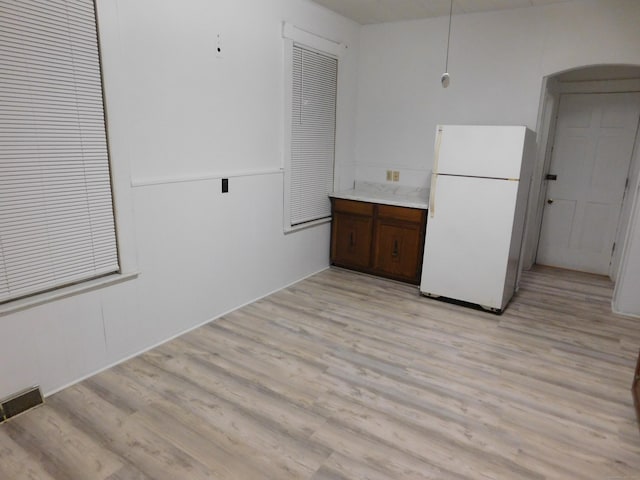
x: 477, y: 209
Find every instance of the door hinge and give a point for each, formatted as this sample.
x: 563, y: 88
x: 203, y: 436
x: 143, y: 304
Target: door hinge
x: 624, y: 191
x: 613, y: 249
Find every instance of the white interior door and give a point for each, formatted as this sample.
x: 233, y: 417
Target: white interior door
x: 594, y: 139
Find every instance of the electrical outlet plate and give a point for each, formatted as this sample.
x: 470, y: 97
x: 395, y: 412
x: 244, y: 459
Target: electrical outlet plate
x: 396, y: 176
x: 389, y: 175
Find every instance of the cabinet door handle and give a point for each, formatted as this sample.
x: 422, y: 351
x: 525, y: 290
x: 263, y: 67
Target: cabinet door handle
x: 351, y: 240
x: 394, y: 253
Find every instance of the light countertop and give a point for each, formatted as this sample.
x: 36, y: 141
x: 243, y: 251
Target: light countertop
x: 387, y: 194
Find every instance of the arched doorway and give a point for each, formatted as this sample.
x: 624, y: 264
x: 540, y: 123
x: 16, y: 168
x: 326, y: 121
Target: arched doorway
x: 579, y: 109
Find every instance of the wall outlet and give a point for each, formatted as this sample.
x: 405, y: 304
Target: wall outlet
x: 389, y: 175
x: 396, y: 176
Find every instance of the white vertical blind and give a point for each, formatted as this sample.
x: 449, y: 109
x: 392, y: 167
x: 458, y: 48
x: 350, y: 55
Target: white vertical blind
x: 313, y: 120
x: 56, y: 213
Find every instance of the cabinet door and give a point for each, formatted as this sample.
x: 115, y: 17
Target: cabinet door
x: 398, y: 250
x: 351, y: 240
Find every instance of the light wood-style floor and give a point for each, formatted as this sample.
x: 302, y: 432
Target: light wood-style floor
x: 349, y: 376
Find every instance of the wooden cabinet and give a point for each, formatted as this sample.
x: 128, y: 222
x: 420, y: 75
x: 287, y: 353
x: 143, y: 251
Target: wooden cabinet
x: 352, y: 228
x: 396, y: 248
x: 383, y: 240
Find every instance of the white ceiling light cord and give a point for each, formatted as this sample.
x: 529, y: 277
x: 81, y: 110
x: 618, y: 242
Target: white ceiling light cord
x: 445, y: 76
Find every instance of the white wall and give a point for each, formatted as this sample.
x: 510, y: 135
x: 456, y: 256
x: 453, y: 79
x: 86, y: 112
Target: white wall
x: 177, y: 112
x: 626, y: 299
x: 497, y: 63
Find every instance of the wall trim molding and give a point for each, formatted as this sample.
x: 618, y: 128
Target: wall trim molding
x: 313, y: 40
x: 600, y: 86
x: 147, y: 182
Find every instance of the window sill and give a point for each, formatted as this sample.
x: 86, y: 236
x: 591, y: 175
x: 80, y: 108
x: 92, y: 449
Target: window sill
x: 302, y: 226
x: 89, y: 285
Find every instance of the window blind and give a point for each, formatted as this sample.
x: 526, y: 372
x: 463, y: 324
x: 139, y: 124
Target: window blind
x: 56, y: 211
x: 313, y: 119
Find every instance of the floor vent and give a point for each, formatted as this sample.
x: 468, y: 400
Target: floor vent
x: 20, y: 402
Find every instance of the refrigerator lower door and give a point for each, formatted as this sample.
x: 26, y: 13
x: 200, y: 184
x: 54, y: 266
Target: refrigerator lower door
x: 468, y: 240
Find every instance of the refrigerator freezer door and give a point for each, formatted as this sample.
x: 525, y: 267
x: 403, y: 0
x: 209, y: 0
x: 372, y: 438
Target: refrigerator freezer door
x: 479, y: 151
x: 466, y: 253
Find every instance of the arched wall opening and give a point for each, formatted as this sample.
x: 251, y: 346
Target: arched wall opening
x: 591, y: 79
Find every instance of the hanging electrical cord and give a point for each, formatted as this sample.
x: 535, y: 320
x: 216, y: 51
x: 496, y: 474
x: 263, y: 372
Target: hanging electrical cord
x: 445, y: 79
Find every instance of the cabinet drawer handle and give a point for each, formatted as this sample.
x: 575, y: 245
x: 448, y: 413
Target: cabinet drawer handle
x: 394, y: 253
x: 351, y: 240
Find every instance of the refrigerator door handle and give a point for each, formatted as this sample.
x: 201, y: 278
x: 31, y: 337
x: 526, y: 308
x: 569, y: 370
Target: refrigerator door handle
x: 432, y: 195
x: 434, y: 173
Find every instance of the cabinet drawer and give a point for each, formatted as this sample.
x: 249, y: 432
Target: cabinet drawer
x: 351, y: 206
x: 401, y: 213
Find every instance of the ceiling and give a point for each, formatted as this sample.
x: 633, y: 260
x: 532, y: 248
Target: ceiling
x: 367, y: 12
